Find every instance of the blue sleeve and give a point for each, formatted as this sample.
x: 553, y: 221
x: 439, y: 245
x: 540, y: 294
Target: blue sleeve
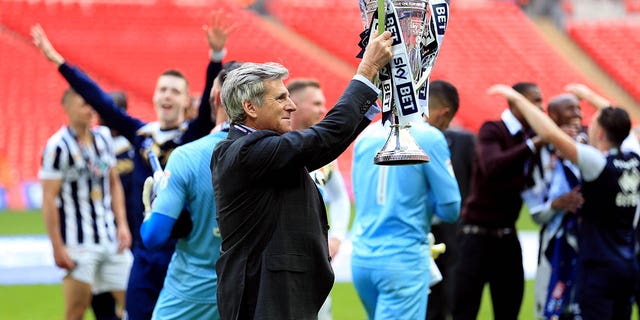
x: 444, y: 186
x: 156, y: 229
x: 169, y: 202
x: 202, y: 124
x: 451, y: 209
x: 172, y: 193
x: 113, y: 116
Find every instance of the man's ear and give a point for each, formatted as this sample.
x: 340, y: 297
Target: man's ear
x: 446, y: 111
x: 602, y: 136
x: 250, y: 109
x: 441, y: 112
x: 218, y: 100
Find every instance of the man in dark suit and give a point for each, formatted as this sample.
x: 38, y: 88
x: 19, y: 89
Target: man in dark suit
x: 274, y: 261
x: 443, y: 106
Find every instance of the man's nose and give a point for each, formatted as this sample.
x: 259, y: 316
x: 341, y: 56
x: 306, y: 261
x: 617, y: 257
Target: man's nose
x: 291, y: 106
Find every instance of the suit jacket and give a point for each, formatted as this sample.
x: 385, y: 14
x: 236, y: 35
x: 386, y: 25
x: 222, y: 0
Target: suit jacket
x: 274, y: 261
x: 498, y: 177
x: 462, y: 146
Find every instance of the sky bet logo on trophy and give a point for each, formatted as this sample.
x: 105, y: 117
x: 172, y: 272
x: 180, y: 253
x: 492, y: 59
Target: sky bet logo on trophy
x: 417, y: 28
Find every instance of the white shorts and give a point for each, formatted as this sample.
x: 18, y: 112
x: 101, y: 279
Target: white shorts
x: 101, y: 266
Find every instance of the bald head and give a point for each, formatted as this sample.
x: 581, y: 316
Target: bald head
x: 564, y: 109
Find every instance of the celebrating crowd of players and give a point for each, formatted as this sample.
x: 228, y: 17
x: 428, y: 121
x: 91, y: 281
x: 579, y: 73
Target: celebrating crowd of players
x: 242, y: 232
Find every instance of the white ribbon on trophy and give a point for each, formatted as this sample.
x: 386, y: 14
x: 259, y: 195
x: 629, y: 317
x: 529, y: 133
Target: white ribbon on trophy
x: 429, y: 48
x: 401, y: 78
x: 417, y: 28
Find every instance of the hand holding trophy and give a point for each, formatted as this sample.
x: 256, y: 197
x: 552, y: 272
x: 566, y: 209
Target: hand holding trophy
x: 417, y: 28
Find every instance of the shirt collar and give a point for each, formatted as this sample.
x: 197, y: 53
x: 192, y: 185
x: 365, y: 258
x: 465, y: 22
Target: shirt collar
x: 224, y: 127
x: 513, y: 125
x: 243, y: 128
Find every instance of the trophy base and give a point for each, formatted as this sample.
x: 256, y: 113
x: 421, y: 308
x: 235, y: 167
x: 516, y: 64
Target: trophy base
x: 399, y: 158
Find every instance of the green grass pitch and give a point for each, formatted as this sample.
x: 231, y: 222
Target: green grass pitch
x: 45, y: 301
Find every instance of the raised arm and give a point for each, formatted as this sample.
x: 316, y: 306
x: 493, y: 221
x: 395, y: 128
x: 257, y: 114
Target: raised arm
x: 335, y: 132
x: 41, y: 41
x: 217, y: 32
x: 101, y: 101
x: 585, y: 93
x: 546, y: 129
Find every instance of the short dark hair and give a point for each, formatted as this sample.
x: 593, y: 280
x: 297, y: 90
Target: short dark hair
x: 300, y: 84
x: 222, y: 75
x: 177, y: 74
x: 616, y: 124
x: 120, y: 99
x: 446, y: 94
x: 522, y: 88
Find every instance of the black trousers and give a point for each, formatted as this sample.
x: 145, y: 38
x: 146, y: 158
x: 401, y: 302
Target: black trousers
x: 492, y: 259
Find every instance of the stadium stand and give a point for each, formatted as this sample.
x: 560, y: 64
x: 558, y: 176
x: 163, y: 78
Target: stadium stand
x: 613, y: 44
x: 127, y: 44
x: 486, y: 42
x: 632, y: 5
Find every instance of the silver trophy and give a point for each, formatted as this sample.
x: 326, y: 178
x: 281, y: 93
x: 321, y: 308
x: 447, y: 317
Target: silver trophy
x: 417, y: 27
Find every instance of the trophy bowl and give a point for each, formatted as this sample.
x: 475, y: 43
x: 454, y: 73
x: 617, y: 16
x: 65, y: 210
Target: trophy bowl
x: 404, y: 81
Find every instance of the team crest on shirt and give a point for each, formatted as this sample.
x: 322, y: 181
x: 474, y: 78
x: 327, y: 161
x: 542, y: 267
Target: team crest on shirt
x: 628, y: 183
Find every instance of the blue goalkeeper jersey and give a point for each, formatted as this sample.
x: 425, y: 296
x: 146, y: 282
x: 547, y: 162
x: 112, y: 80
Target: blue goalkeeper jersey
x: 395, y: 204
x: 191, y: 274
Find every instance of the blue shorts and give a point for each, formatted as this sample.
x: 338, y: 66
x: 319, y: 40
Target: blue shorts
x: 146, y: 280
x: 392, y: 294
x: 170, y: 307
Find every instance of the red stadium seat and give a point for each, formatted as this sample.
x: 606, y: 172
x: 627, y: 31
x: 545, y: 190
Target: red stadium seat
x: 127, y: 45
x: 613, y: 45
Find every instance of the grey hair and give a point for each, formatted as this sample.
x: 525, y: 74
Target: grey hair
x: 246, y: 83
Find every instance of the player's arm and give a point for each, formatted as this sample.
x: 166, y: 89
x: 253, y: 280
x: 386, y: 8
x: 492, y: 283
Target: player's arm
x: 546, y: 129
x: 217, y: 32
x: 439, y: 172
x: 585, y: 93
x: 155, y: 229
x: 101, y: 101
x: 119, y: 210
x: 169, y: 203
x: 50, y: 190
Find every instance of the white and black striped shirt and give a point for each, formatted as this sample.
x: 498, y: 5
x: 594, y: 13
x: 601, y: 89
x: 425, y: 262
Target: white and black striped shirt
x: 84, y: 201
